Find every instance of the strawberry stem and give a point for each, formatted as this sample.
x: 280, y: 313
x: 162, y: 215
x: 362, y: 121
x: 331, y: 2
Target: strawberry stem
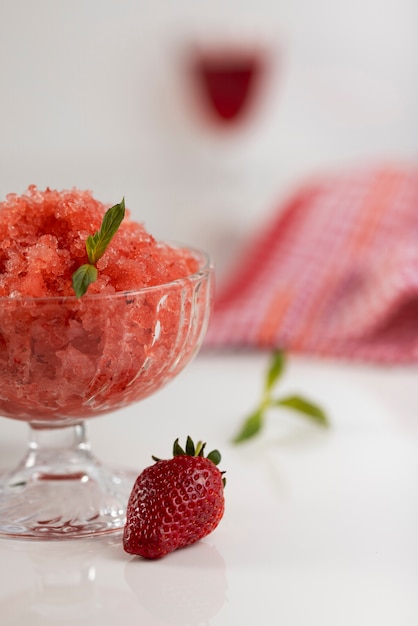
x: 193, y: 450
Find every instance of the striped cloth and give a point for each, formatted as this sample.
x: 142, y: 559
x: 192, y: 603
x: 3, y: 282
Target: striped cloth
x: 335, y: 273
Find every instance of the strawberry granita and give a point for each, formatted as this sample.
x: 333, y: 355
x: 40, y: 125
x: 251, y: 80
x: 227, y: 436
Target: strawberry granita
x: 43, y: 241
x: 140, y: 322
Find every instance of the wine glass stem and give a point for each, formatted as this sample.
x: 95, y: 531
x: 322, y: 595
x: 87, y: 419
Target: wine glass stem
x: 59, y: 452
x: 60, y: 489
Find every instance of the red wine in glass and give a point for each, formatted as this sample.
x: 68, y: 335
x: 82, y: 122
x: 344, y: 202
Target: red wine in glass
x: 228, y: 82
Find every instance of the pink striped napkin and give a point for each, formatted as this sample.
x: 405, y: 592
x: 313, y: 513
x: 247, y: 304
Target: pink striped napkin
x: 335, y: 273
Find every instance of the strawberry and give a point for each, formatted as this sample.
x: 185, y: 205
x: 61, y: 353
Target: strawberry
x: 174, y: 502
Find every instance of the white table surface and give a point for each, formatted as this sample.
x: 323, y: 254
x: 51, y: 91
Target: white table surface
x: 320, y: 527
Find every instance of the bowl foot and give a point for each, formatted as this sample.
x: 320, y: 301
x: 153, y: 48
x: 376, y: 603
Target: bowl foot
x: 60, y: 490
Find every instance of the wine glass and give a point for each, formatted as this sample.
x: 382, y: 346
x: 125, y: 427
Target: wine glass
x: 215, y: 133
x: 229, y: 80
x: 66, y: 359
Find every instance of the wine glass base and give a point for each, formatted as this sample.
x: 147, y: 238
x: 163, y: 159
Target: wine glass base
x: 87, y: 503
x: 60, y: 490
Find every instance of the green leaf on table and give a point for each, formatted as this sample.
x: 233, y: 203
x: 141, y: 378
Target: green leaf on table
x: 251, y: 426
x: 305, y: 407
x: 275, y: 370
x: 83, y: 277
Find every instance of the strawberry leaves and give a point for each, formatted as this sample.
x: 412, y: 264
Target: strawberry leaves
x: 191, y: 449
x: 96, y: 246
x: 254, y: 423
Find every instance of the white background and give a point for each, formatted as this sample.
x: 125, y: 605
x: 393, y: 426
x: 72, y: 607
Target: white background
x: 320, y: 528
x: 94, y: 94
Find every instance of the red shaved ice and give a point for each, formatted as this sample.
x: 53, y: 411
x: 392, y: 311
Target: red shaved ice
x: 64, y: 358
x: 43, y: 241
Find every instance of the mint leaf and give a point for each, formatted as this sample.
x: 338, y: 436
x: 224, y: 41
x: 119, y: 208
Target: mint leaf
x: 83, y: 277
x: 251, y: 426
x: 305, y: 407
x: 96, y: 244
x: 275, y: 370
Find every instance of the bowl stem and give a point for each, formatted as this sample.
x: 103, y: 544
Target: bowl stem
x: 60, y: 490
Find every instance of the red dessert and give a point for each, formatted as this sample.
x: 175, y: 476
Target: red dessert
x: 63, y: 357
x: 43, y: 241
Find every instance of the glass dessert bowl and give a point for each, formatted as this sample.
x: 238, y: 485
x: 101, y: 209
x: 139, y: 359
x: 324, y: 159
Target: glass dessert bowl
x: 66, y: 359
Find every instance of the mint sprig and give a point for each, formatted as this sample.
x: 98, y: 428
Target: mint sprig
x: 96, y: 246
x: 254, y: 423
